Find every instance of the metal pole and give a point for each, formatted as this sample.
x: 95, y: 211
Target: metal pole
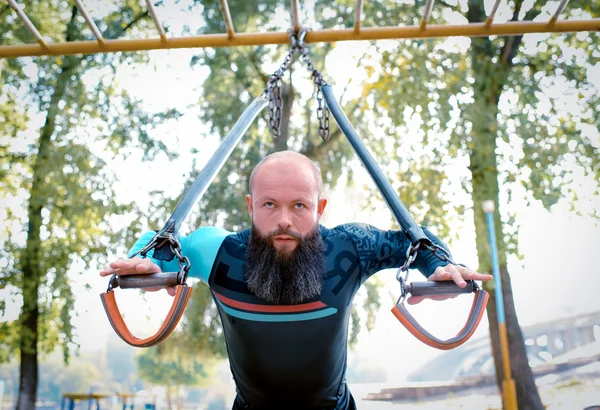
x: 296, y: 16
x: 358, y: 15
x: 315, y: 36
x: 157, y: 23
x: 426, y: 14
x: 490, y: 19
x: 508, y: 384
x: 90, y: 22
x: 559, y: 10
x: 32, y: 29
x: 227, y: 17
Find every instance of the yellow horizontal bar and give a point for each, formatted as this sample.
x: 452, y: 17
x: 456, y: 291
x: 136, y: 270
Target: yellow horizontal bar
x: 316, y: 36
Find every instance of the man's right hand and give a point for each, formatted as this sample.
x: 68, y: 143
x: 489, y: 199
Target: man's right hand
x: 135, y: 266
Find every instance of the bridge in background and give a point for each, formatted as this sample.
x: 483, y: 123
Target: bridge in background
x: 546, y: 343
x: 552, y: 347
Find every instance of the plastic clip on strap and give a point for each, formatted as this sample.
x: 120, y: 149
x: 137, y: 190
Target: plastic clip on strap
x: 418, y: 241
x: 168, y: 235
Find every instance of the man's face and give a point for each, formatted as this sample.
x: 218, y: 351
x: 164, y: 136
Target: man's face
x: 285, y: 202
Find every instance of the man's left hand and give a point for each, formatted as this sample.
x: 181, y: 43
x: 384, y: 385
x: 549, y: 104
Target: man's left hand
x: 456, y: 273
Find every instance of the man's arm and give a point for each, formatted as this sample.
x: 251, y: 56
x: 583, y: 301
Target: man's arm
x: 201, y: 247
x: 378, y: 249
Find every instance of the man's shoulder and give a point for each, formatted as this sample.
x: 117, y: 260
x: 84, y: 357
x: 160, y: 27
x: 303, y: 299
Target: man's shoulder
x: 352, y: 230
x: 212, y: 236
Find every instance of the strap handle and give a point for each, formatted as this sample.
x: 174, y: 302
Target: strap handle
x: 182, y: 296
x: 477, y: 308
x: 409, y: 226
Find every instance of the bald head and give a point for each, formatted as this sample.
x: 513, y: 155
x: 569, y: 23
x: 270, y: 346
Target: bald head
x: 288, y: 160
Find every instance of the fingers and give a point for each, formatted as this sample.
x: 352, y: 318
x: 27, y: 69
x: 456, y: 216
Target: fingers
x: 458, y: 274
x: 131, y: 266
x: 449, y: 272
x: 135, y: 265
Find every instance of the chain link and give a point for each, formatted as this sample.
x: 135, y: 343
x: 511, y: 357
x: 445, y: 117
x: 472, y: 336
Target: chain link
x: 183, y: 261
x: 274, y: 90
x: 175, y: 246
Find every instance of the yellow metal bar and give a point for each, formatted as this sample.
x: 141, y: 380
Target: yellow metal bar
x: 426, y: 14
x: 559, y: 10
x: 295, y: 15
x: 512, y: 28
x: 227, y: 17
x: 90, y: 22
x: 490, y: 19
x: 29, y: 25
x: 508, y: 385
x: 358, y: 15
x: 157, y: 23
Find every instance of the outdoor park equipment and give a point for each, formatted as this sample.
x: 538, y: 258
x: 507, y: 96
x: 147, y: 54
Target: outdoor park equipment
x: 166, y: 245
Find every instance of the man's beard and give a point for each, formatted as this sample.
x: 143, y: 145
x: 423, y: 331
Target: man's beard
x: 282, y: 276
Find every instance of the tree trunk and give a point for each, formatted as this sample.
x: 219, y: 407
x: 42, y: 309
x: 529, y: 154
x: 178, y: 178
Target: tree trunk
x: 30, y: 264
x: 489, y: 80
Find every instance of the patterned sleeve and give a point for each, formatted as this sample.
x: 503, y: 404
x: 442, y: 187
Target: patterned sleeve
x: 378, y: 249
x: 201, y: 247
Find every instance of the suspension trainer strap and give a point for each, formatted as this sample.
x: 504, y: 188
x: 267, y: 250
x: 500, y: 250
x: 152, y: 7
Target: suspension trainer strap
x: 412, y: 230
x: 206, y: 176
x: 182, y: 295
x: 477, y: 308
x: 418, y: 241
x: 166, y: 245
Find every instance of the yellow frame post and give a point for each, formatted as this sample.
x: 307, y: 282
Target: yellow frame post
x: 314, y: 36
x: 509, y: 391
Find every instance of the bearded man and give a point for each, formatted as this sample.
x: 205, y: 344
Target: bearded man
x: 284, y: 288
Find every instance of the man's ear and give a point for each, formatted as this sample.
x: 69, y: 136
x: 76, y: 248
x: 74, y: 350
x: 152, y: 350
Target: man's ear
x: 249, y: 202
x: 321, y: 207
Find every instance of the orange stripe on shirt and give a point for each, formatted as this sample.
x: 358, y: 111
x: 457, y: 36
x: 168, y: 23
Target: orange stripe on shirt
x: 271, y: 308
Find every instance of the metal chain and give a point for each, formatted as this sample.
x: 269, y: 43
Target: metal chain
x: 158, y: 242
x: 274, y: 90
x: 439, y: 252
x: 183, y: 261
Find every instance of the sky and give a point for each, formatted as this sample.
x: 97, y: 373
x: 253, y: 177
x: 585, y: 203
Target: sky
x: 557, y: 277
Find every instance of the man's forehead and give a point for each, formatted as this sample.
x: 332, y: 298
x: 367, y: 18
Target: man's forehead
x: 276, y: 169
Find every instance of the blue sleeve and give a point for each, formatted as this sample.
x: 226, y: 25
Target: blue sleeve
x: 201, y: 247
x: 378, y: 250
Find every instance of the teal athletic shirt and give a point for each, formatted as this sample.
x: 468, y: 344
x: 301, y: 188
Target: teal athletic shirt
x: 292, y: 356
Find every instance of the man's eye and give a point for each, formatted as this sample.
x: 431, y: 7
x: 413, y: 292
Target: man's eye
x: 269, y: 204
x: 298, y: 206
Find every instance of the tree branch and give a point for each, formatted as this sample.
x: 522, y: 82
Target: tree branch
x: 132, y: 23
x: 511, y: 45
x: 453, y: 7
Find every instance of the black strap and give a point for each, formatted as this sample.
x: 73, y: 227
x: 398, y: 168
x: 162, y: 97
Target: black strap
x: 412, y: 230
x: 203, y: 180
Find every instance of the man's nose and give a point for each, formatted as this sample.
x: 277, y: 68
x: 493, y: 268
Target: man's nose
x: 285, y: 219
